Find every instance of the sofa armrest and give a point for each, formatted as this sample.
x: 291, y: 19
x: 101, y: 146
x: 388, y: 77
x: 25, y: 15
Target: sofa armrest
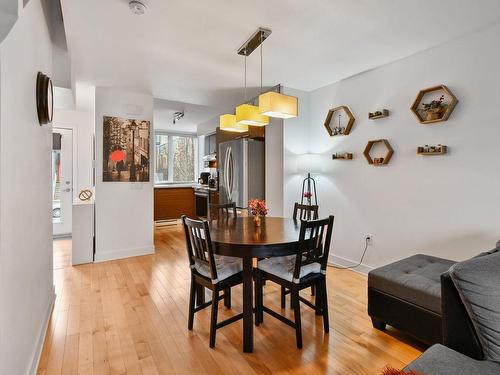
x: 458, y: 332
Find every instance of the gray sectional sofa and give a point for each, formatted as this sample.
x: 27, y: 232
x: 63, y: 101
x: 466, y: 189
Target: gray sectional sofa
x: 471, y: 320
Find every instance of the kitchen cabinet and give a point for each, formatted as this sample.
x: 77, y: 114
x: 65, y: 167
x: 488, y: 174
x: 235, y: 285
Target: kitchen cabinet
x: 210, y: 144
x: 173, y: 202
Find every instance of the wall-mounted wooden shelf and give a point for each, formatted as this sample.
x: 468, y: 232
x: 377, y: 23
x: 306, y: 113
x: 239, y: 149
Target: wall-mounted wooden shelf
x: 438, y: 114
x: 433, y: 150
x: 344, y: 156
x: 329, y: 124
x: 378, y: 114
x: 379, y: 160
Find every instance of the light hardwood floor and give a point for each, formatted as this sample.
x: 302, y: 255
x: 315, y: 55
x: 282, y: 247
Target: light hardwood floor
x: 130, y: 317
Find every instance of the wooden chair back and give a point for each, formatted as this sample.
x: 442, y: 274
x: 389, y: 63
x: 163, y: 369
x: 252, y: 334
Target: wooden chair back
x: 222, y: 211
x: 199, y: 245
x: 314, y: 244
x: 305, y: 212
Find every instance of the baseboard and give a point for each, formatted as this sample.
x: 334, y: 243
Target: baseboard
x: 41, y: 337
x: 335, y: 260
x: 64, y: 235
x: 103, y: 256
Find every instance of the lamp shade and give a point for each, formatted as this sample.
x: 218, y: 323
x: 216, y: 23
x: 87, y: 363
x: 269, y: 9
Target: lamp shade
x: 247, y: 114
x: 274, y: 104
x: 228, y: 123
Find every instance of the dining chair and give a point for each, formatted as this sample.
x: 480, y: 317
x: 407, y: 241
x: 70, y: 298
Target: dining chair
x: 305, y: 212
x: 217, y: 273
x: 222, y: 211
x: 302, y: 212
x: 296, y: 272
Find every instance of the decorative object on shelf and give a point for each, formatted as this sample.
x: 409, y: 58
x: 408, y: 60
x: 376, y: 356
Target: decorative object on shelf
x: 258, y: 209
x: 434, y: 104
x: 85, y: 195
x: 432, y: 150
x: 378, y: 160
x: 344, y: 156
x: 335, y: 124
x: 44, y: 99
x: 125, y: 150
x: 378, y: 114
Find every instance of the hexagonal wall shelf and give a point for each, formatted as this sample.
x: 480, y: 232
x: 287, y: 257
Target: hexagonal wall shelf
x: 441, y: 103
x: 380, y: 160
x: 336, y: 128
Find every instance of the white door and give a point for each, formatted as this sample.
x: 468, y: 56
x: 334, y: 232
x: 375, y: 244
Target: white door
x: 62, y: 182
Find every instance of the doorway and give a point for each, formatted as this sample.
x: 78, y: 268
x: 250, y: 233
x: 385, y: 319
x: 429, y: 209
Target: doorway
x: 62, y: 182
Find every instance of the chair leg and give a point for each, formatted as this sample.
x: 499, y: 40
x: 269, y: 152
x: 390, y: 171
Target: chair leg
x: 326, y: 322
x: 192, y: 297
x: 213, y: 318
x: 283, y: 297
x: 318, y: 299
x: 313, y: 290
x: 200, y: 294
x: 227, y: 297
x: 298, y: 324
x: 259, y: 299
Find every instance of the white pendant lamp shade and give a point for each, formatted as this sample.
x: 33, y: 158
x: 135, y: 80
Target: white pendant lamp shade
x: 274, y: 104
x: 247, y: 114
x: 228, y: 123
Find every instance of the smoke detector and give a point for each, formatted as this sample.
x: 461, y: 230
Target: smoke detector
x: 137, y: 6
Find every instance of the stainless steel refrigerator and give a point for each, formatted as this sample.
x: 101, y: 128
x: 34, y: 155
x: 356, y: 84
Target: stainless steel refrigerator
x: 241, y: 171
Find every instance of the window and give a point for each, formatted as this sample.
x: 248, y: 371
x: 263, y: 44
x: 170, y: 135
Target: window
x: 175, y: 158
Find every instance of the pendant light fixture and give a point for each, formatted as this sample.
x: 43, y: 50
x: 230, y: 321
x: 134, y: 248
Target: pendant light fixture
x: 247, y: 114
x: 276, y: 104
x: 228, y: 123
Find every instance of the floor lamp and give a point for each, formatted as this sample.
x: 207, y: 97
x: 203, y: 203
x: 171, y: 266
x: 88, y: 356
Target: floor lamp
x: 309, y: 163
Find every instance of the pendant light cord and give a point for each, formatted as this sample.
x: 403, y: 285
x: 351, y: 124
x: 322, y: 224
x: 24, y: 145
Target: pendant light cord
x: 245, y: 75
x: 261, y: 62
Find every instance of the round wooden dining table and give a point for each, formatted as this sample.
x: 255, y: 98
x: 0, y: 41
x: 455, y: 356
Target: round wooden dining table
x: 239, y: 237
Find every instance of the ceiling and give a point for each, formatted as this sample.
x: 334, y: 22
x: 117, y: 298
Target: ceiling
x: 185, y: 50
x: 193, y: 115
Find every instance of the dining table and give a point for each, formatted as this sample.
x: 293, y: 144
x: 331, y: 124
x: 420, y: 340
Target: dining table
x: 241, y: 237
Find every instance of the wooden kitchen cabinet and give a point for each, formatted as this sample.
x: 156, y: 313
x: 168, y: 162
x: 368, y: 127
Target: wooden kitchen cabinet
x: 172, y: 203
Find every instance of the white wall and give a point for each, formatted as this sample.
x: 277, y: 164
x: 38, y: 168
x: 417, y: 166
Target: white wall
x: 274, y: 167
x: 296, y: 142
x: 440, y: 205
x: 124, y: 211
x: 26, y: 282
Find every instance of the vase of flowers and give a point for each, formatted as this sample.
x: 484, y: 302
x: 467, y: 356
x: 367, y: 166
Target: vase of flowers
x: 308, y: 195
x: 258, y: 209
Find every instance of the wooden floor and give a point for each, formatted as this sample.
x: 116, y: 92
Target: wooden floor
x: 130, y: 317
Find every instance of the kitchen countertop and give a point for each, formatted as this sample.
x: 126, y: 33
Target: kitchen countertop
x: 178, y: 186
x: 174, y: 186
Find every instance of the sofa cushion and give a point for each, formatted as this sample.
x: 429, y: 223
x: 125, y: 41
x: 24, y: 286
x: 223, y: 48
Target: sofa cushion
x: 415, y: 279
x: 440, y: 360
x: 478, y: 283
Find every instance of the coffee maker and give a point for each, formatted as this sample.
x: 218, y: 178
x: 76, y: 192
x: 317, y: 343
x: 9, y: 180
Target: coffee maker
x: 204, y: 177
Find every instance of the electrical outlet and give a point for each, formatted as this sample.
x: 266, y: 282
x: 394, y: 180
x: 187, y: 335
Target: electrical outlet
x: 369, y: 239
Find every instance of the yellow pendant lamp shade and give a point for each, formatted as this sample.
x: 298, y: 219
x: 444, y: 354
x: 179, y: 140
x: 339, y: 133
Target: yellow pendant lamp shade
x: 247, y: 114
x: 228, y: 123
x: 274, y: 104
